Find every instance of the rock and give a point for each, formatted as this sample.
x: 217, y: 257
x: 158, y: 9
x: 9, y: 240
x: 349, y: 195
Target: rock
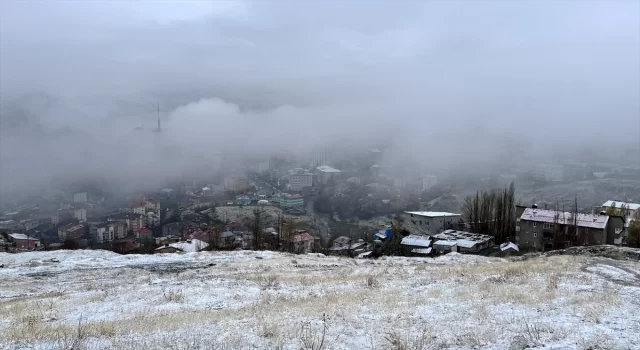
x: 259, y: 257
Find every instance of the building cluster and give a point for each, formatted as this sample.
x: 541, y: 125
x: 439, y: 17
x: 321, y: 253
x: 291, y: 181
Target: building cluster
x: 543, y: 229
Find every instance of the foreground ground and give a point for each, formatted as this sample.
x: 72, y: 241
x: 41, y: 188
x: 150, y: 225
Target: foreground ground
x: 266, y: 300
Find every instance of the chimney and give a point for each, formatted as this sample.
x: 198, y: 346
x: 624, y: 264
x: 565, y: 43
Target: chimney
x: 534, y: 206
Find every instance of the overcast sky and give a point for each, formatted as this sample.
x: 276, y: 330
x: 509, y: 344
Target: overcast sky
x: 452, y: 75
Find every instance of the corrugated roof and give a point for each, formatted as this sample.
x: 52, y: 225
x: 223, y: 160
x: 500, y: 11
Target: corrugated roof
x: 415, y: 240
x: 565, y: 218
x: 632, y: 206
x: 21, y: 236
x: 328, y: 169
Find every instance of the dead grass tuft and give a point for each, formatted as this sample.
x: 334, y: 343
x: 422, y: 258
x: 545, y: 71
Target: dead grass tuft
x: 372, y: 281
x: 173, y: 295
x: 269, y: 281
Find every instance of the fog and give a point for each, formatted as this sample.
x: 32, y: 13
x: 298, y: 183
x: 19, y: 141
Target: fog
x: 439, y: 83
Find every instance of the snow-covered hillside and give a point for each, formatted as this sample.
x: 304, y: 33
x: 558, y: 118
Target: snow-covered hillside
x: 266, y: 300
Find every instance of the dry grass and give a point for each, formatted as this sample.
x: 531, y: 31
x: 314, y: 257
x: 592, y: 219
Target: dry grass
x: 282, y: 311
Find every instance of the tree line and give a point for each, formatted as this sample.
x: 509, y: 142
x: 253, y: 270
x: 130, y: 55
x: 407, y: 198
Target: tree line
x: 491, y: 212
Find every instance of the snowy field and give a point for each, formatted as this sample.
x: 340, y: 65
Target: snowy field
x: 267, y: 300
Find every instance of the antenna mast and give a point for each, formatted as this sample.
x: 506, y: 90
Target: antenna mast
x: 158, y: 116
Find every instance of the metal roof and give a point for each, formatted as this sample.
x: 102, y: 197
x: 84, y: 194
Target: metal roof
x: 328, y: 169
x: 432, y: 214
x: 415, y: 240
x: 565, y: 218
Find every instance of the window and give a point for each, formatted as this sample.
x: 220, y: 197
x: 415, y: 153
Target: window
x: 547, y: 226
x: 535, y: 234
x: 534, y: 244
x: 535, y: 224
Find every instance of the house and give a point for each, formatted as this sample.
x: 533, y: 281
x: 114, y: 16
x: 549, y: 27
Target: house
x: 143, y: 233
x: 302, y: 242
x: 466, y: 242
x: 326, y: 173
x: 190, y: 246
x: 412, y: 242
x: 444, y: 247
x: 22, y: 241
x: 340, y: 245
x: 227, y: 240
x: 71, y: 231
x: 542, y: 229
x: 632, y: 209
x: 271, y: 237
x: 432, y: 221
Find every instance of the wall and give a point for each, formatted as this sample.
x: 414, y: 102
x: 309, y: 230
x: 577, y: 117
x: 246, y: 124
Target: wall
x: 432, y: 224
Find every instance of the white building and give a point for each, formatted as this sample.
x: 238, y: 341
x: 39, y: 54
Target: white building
x: 432, y: 221
x: 80, y: 214
x: 429, y: 181
x: 80, y: 197
x: 104, y: 233
x: 633, y: 209
x: 325, y: 173
x: 300, y: 180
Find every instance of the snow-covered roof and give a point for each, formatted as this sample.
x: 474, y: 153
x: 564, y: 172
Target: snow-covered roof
x: 445, y: 243
x: 431, y: 214
x: 565, y: 218
x: 421, y: 251
x: 21, y: 236
x: 328, y: 169
x: 357, y: 245
x: 631, y: 206
x: 509, y: 245
x: 381, y: 235
x: 415, y: 240
x: 195, y: 245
